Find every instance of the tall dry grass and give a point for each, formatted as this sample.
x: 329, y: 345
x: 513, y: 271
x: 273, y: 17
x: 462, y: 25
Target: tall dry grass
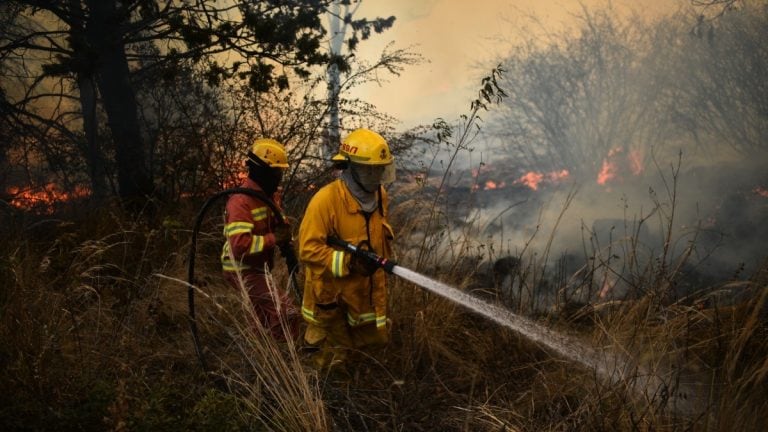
x: 273, y: 381
x: 693, y: 362
x: 94, y: 336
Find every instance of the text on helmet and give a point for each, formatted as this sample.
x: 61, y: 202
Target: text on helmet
x: 348, y: 148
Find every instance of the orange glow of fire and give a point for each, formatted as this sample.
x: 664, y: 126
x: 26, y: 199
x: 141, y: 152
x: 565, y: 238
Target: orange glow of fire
x: 490, y: 185
x: 556, y: 176
x: 237, y: 181
x: 614, y: 163
x: 533, y: 179
x: 763, y: 192
x: 607, y: 172
x: 43, y: 198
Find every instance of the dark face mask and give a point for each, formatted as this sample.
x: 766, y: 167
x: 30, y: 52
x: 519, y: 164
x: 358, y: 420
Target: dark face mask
x: 364, y: 179
x: 268, y: 178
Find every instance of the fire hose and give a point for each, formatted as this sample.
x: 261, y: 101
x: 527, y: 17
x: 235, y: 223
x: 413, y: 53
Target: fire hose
x: 286, y: 250
x: 381, y: 262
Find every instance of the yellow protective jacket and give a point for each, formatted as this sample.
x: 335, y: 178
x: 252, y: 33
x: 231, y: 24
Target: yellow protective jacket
x: 333, y: 211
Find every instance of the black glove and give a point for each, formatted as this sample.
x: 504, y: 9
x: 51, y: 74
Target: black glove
x: 282, y: 234
x: 361, y: 265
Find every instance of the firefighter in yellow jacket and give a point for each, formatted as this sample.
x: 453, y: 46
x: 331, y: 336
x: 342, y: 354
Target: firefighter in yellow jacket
x: 345, y: 297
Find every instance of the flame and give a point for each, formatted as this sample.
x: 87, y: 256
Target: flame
x: 607, y: 172
x: 613, y: 163
x: 490, y: 185
x: 556, y: 176
x: 533, y: 179
x: 44, y: 198
x: 761, y: 191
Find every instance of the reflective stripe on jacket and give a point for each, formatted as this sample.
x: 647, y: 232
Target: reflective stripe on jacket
x: 248, y: 225
x: 333, y: 211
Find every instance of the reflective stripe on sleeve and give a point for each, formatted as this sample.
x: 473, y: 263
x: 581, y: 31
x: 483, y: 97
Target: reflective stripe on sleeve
x: 257, y: 244
x: 381, y: 321
x: 337, y: 264
x: 235, y: 228
x: 259, y: 214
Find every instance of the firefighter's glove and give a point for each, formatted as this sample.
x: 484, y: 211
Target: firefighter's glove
x: 282, y: 234
x: 361, y: 265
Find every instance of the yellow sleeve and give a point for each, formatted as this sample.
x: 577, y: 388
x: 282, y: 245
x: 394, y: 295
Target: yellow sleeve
x: 319, y: 223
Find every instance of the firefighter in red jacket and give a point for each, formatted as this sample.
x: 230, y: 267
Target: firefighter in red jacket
x: 345, y: 297
x: 253, y: 232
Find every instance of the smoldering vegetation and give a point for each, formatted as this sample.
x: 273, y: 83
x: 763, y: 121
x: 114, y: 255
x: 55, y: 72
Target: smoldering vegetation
x: 625, y: 140
x: 620, y: 202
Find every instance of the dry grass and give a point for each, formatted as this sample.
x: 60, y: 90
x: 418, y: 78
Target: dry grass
x: 93, y: 336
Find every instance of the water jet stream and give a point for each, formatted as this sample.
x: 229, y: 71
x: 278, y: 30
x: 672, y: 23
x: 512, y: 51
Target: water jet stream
x: 611, y: 368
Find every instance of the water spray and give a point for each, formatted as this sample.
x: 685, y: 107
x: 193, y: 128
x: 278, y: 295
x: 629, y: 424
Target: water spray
x: 609, y: 367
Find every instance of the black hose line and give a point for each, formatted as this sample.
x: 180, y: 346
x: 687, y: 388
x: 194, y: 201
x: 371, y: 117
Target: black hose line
x: 286, y: 250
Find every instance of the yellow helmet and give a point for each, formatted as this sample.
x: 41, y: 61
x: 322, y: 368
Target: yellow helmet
x: 266, y: 151
x: 368, y: 152
x: 366, y: 147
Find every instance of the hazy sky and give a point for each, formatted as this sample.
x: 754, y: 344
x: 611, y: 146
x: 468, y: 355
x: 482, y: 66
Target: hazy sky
x: 461, y: 39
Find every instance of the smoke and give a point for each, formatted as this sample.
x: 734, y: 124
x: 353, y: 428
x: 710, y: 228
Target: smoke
x: 714, y: 217
x: 662, y: 130
x: 636, y: 148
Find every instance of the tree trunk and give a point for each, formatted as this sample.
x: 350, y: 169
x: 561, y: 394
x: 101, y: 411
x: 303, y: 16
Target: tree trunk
x: 112, y: 75
x: 93, y: 155
x: 337, y: 30
x: 85, y: 84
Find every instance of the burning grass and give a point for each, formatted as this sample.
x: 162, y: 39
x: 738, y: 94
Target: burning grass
x: 94, y: 336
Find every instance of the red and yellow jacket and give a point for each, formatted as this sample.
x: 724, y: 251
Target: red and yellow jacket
x: 333, y: 211
x: 248, y: 226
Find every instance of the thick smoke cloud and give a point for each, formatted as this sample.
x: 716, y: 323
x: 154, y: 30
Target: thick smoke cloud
x: 642, y: 146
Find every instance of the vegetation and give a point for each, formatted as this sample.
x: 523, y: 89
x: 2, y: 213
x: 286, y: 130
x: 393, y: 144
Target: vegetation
x: 89, y: 58
x: 95, y: 337
x: 93, y: 310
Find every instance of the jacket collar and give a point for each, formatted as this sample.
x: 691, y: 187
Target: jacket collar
x: 350, y: 203
x: 250, y: 184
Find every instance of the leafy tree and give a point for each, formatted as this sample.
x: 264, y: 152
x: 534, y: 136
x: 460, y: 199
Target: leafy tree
x: 96, y: 52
